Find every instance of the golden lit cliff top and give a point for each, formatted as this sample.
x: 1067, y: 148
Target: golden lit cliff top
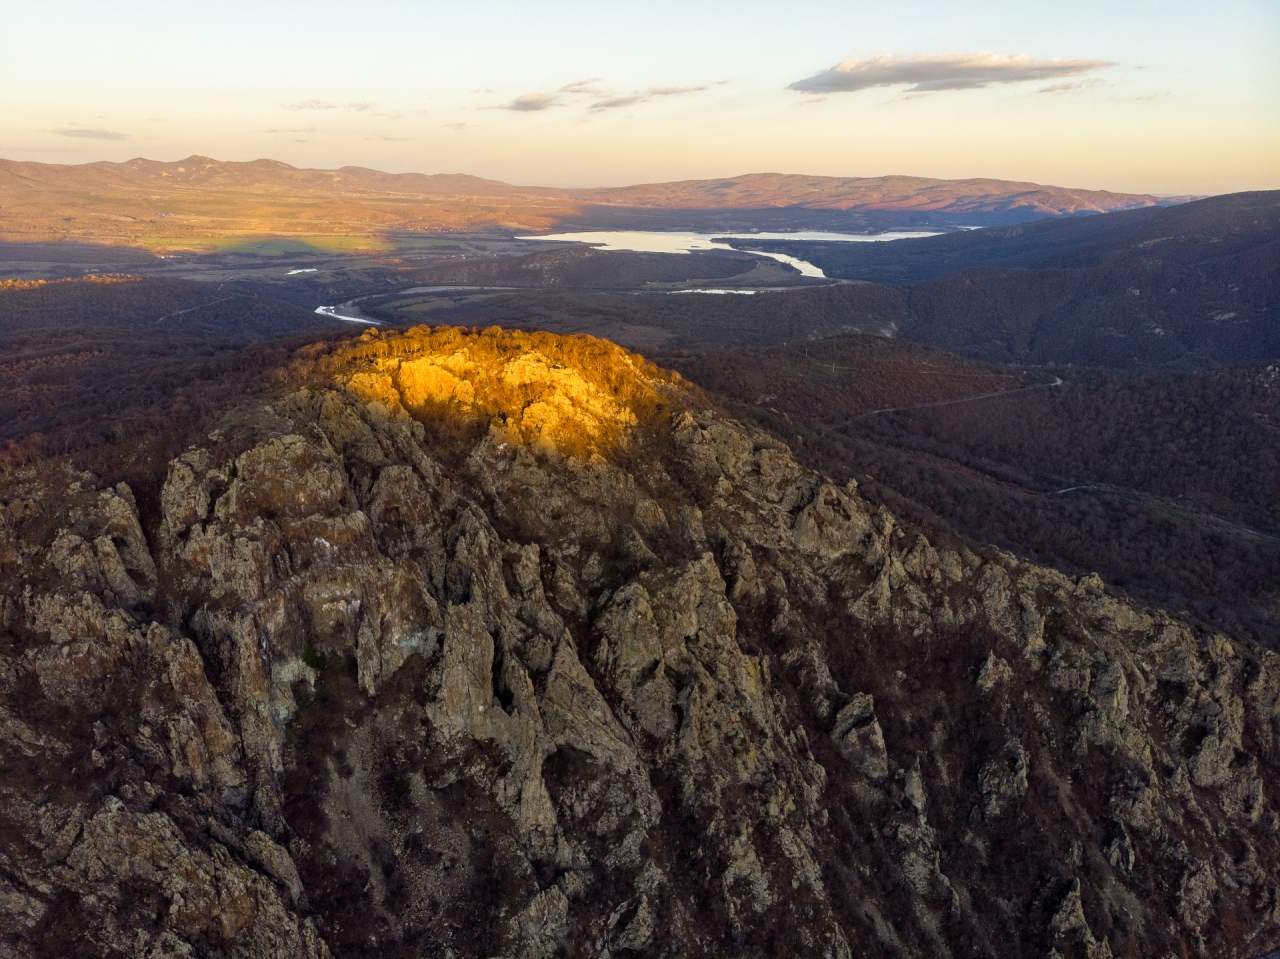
x: 570, y: 394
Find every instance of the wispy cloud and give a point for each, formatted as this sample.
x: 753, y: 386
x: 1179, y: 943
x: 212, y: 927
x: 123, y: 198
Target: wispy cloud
x: 290, y: 130
x: 85, y: 133
x: 590, y: 85
x: 625, y: 100
x: 531, y: 102
x: 1072, y: 86
x: 355, y: 106
x: 929, y: 74
x: 601, y: 96
x: 675, y: 91
x: 631, y: 99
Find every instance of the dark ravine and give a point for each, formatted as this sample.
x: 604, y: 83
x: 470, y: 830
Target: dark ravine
x: 499, y: 644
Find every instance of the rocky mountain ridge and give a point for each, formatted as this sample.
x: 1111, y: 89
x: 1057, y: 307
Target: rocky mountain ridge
x: 504, y: 644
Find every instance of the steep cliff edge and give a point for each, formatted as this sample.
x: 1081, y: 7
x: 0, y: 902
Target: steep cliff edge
x: 496, y: 644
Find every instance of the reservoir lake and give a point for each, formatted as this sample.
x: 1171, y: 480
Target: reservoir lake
x: 641, y: 241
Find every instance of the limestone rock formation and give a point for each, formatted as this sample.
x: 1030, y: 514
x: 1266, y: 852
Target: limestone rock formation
x: 498, y: 644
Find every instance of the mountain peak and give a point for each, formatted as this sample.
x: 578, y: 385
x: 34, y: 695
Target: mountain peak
x: 567, y: 394
x: 483, y: 614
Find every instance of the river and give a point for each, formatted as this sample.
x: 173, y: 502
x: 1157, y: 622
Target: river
x: 642, y: 241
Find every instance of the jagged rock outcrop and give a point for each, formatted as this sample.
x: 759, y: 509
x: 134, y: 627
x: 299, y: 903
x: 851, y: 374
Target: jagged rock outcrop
x: 504, y: 645
x: 859, y: 737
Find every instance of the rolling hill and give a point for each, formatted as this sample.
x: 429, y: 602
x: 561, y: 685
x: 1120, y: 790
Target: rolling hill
x: 1191, y: 285
x: 146, y: 200
x: 1200, y: 232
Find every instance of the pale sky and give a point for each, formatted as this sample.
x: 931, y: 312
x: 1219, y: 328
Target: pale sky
x: 1161, y: 97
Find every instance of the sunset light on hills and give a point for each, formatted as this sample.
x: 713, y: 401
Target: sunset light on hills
x: 1173, y: 98
x: 640, y: 480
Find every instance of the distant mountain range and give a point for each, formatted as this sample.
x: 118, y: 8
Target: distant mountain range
x: 199, y: 196
x: 983, y: 197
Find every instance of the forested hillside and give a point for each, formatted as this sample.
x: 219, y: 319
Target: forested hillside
x: 1166, y: 484
x: 1202, y: 231
x: 116, y: 370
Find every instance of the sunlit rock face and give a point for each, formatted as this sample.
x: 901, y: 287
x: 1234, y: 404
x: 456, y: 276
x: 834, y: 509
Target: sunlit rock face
x: 565, y: 394
x: 377, y: 672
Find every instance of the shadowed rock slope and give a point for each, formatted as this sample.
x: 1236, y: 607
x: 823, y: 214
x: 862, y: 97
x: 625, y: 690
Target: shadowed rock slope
x: 496, y: 644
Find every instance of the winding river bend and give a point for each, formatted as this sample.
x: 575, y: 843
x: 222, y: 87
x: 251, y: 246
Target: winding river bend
x: 642, y: 241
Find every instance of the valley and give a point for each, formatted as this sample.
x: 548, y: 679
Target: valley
x: 640, y: 480
x: 1178, y: 535
x: 1162, y: 483
x: 928, y: 607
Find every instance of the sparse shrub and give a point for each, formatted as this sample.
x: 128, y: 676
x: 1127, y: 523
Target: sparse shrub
x: 314, y: 659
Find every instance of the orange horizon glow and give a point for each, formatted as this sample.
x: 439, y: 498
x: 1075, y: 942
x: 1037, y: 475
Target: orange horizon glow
x: 1170, y: 99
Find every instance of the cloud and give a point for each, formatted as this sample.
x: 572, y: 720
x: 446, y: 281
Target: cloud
x: 929, y: 74
x: 157, y: 119
x: 630, y: 99
x: 674, y: 91
x: 453, y: 126
x: 530, y: 102
x: 290, y: 130
x: 612, y: 103
x: 604, y: 98
x: 1071, y: 86
x: 355, y: 106
x: 88, y: 134
x: 590, y: 85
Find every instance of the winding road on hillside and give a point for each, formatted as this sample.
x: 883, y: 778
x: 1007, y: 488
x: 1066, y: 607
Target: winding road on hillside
x: 1057, y: 381
x: 1209, y: 517
x: 1165, y: 501
x: 170, y: 316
